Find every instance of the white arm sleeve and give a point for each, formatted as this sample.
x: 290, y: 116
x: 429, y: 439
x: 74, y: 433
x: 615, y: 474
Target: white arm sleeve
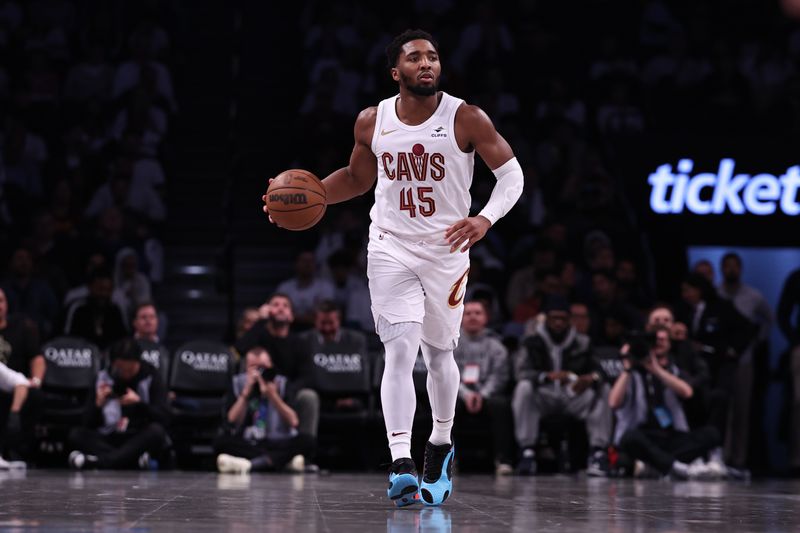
x: 506, y: 191
x: 10, y: 378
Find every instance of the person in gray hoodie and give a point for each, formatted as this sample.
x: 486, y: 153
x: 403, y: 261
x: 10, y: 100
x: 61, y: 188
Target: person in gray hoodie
x: 557, y: 374
x: 485, y: 376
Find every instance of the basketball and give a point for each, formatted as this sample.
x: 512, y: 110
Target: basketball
x: 296, y: 199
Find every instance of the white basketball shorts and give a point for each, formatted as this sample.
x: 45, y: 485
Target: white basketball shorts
x: 417, y: 282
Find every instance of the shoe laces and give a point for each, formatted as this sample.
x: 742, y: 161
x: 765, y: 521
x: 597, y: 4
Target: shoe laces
x: 434, y: 460
x: 403, y: 466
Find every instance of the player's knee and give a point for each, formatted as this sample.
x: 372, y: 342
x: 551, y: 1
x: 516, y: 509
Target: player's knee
x: 401, y: 330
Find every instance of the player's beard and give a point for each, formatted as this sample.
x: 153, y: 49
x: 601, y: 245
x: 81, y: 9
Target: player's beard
x: 420, y: 90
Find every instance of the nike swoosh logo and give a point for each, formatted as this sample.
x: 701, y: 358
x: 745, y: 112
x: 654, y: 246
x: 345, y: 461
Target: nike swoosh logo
x: 401, y: 433
x: 384, y: 132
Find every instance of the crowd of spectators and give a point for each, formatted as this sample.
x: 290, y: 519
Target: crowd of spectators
x: 87, y: 97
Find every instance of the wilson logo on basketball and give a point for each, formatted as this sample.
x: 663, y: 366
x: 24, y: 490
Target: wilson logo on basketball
x: 456, y: 292
x: 289, y: 199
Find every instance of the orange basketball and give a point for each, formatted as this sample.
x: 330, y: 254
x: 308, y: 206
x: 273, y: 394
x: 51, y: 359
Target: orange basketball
x: 296, y: 199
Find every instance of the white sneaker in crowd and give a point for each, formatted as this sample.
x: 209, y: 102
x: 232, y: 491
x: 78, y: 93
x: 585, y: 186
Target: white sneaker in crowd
x: 228, y: 464
x: 12, y: 465
x: 698, y: 469
x: 503, y: 469
x: 297, y: 465
x: 717, y: 469
x: 642, y: 470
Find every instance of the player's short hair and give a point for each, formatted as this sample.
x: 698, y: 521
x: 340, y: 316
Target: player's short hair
x: 394, y: 47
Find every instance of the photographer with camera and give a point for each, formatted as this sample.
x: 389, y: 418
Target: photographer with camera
x: 651, y: 424
x: 125, y: 419
x: 261, y: 432
x: 557, y: 373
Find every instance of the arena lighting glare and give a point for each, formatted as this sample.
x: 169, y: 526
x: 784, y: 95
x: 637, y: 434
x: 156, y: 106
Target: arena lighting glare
x: 716, y: 193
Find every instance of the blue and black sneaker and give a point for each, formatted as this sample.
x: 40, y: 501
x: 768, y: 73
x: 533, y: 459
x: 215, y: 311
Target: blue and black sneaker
x: 403, y: 483
x: 437, y: 474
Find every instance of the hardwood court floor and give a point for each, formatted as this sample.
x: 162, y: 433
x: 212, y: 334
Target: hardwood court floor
x: 59, y: 500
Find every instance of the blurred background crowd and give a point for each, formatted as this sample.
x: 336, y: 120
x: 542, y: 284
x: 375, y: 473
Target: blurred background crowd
x: 137, y: 138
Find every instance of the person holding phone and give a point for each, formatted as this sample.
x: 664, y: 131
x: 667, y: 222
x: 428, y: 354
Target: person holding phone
x: 261, y: 428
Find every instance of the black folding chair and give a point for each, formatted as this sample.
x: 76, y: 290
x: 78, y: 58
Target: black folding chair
x: 339, y: 377
x: 72, y: 366
x: 199, y: 378
x: 157, y: 355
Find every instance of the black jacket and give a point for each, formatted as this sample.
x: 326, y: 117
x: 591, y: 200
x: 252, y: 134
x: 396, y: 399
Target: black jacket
x: 722, y: 331
x: 535, y: 358
x: 153, y: 407
x: 290, y: 355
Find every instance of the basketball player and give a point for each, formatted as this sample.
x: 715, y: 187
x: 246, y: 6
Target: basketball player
x: 420, y: 146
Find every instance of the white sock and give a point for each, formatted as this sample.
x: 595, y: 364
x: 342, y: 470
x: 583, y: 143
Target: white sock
x: 442, y: 384
x: 398, y: 397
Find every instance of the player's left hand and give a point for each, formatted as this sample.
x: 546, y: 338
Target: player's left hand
x: 467, y: 231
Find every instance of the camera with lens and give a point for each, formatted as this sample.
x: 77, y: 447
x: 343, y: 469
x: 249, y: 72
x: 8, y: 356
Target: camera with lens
x: 119, y: 388
x: 640, y: 343
x: 267, y: 374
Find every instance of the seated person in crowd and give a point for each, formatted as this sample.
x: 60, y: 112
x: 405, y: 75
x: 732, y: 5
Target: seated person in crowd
x: 145, y: 331
x: 21, y: 353
x: 485, y: 376
x: 98, y: 319
x: 126, y: 417
x: 580, y: 318
x: 291, y: 357
x: 306, y: 289
x: 329, y: 338
x: 694, y: 369
x: 262, y: 430
x: 145, y: 322
x: 651, y: 424
x: 248, y: 317
x: 557, y: 373
x: 16, y: 385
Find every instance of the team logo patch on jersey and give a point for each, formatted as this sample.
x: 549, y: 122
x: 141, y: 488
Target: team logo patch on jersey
x: 457, y: 291
x: 439, y: 131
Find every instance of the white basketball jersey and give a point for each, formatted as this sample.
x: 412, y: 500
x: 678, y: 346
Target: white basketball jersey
x: 423, y: 176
